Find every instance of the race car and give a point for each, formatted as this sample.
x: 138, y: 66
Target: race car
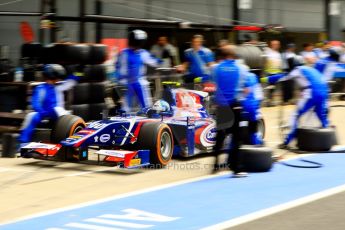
x: 179, y: 125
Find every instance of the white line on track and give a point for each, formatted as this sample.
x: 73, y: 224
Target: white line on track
x: 276, y: 209
x: 6, y: 169
x: 89, y: 172
x: 138, y: 192
x: 142, y: 191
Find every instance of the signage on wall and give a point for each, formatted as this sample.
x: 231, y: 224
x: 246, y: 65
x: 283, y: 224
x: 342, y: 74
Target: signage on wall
x: 334, y: 8
x: 245, y: 4
x: 26, y: 32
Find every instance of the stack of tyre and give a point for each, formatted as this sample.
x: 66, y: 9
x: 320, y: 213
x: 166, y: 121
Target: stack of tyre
x: 88, y: 97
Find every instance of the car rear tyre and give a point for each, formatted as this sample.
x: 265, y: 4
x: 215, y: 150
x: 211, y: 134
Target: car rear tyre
x: 158, y: 138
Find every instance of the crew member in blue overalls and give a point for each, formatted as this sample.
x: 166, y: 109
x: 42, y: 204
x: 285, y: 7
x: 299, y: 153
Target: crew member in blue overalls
x: 47, y: 99
x: 230, y: 78
x: 198, y: 60
x: 131, y: 70
x: 330, y: 65
x: 251, y: 107
x: 314, y: 95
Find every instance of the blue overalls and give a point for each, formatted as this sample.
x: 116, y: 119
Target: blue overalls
x: 314, y: 96
x: 230, y: 78
x: 130, y: 71
x: 251, y: 107
x: 48, y: 103
x: 198, y: 61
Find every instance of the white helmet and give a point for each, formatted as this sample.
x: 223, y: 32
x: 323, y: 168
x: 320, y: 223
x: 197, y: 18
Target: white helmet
x: 161, y: 106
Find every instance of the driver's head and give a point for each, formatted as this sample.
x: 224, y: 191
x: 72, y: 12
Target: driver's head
x: 161, y: 106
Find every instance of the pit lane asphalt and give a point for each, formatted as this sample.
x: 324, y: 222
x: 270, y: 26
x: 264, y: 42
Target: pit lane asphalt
x: 326, y: 214
x: 30, y: 186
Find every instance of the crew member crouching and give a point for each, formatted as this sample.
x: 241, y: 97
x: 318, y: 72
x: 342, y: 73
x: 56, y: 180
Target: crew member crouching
x: 314, y: 95
x: 47, y: 99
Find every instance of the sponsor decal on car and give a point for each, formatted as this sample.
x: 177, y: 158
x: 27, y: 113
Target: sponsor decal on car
x: 97, y: 125
x: 75, y: 137
x: 86, y: 131
x: 104, y: 138
x: 135, y: 162
x: 208, y: 136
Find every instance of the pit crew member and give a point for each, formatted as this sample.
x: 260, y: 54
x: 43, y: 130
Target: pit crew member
x: 230, y: 78
x: 314, y: 95
x: 131, y: 70
x: 251, y: 107
x: 47, y: 99
x: 198, y: 60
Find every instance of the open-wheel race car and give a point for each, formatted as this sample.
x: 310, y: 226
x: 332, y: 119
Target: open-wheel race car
x: 152, y: 136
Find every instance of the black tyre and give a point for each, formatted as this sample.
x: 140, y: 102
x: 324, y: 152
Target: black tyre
x: 64, y: 127
x: 95, y: 73
x: 77, y: 53
x: 158, y: 138
x: 98, y: 54
x: 31, y: 50
x: 48, y: 54
x: 82, y: 111
x: 256, y: 158
x: 9, y: 145
x: 312, y: 139
x: 81, y: 94
x: 60, y: 52
x: 42, y: 135
x: 97, y: 92
x: 96, y: 111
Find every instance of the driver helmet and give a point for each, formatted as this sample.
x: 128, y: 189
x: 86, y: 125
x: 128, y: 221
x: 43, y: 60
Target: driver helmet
x: 54, y: 72
x: 161, y: 106
x: 137, y: 38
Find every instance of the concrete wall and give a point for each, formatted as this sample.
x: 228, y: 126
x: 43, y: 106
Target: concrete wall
x: 296, y: 15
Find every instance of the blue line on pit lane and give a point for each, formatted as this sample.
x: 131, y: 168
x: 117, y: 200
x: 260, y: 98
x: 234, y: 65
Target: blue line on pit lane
x: 199, y: 204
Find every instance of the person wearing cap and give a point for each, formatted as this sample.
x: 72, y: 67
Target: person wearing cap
x: 198, y: 60
x: 131, y: 70
x: 230, y: 78
x: 314, y: 95
x: 47, y: 99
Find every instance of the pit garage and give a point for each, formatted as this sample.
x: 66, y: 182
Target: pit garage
x: 104, y: 168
